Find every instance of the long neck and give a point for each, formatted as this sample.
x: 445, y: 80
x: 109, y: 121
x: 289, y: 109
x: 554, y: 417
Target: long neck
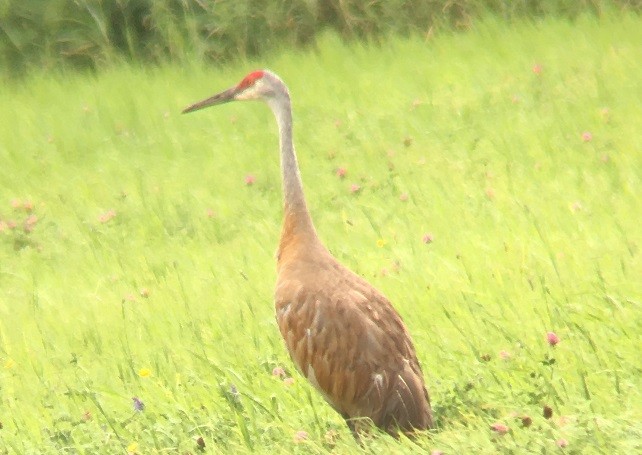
x: 298, y: 230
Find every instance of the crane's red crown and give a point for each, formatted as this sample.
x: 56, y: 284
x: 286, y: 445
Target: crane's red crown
x: 250, y: 79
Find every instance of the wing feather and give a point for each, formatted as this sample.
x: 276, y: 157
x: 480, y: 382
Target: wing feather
x: 352, y: 345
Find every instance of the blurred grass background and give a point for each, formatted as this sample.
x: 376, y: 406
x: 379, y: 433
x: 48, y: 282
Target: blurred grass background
x: 38, y: 35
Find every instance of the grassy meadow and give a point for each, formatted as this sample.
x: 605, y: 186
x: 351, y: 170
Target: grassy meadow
x: 492, y: 189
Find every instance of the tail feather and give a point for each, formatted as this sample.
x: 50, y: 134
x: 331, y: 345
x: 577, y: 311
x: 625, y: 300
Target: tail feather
x: 408, y: 406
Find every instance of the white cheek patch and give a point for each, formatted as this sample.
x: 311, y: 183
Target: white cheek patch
x: 245, y: 95
x: 252, y: 92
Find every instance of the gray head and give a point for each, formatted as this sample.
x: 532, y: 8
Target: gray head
x: 258, y: 85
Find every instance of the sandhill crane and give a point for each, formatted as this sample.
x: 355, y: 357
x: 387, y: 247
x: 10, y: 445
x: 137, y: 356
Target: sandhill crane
x: 342, y: 333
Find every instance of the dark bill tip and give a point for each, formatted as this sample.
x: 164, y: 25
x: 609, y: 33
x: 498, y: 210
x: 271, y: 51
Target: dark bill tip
x: 219, y: 98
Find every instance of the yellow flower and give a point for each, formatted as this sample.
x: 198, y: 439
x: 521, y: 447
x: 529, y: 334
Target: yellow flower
x: 144, y: 372
x: 381, y: 243
x: 10, y: 363
x: 132, y: 448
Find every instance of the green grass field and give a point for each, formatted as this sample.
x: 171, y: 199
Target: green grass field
x: 135, y: 261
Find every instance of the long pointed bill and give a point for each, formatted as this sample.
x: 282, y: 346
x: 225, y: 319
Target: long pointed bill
x: 219, y: 98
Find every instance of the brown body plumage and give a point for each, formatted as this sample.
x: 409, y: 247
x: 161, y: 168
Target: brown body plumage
x: 342, y: 333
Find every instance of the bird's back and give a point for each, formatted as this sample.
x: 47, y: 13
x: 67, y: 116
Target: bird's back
x: 349, y: 341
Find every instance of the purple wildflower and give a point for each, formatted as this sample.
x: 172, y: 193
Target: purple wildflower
x: 138, y: 404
